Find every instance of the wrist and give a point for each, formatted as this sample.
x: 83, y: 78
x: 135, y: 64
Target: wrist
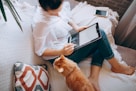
x: 60, y: 52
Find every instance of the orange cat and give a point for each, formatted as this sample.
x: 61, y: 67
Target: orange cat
x: 75, y: 79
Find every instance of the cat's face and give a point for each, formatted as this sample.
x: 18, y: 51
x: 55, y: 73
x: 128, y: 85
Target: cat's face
x: 64, y: 65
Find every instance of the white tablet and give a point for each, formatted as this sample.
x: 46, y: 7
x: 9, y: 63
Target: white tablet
x: 85, y: 37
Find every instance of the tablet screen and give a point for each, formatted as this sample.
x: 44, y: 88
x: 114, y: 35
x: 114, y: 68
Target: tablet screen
x: 88, y: 34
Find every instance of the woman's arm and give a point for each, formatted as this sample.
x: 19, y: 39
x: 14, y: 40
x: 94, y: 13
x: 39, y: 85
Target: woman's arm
x: 76, y: 27
x: 52, y: 52
x: 73, y: 25
x: 66, y: 50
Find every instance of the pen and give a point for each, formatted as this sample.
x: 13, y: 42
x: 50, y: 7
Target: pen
x: 69, y: 39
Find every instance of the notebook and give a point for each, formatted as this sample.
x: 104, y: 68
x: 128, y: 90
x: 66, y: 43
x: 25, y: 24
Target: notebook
x: 85, y: 37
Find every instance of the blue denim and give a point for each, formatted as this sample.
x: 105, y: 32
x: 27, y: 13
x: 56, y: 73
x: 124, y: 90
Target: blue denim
x: 99, y: 51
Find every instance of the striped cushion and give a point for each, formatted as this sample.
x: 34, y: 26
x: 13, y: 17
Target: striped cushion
x: 30, y: 77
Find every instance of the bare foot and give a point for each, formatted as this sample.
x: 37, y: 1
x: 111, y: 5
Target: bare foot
x: 95, y: 84
x: 128, y: 70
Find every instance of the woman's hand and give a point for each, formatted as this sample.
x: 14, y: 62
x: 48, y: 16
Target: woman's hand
x: 68, y: 49
x: 81, y: 28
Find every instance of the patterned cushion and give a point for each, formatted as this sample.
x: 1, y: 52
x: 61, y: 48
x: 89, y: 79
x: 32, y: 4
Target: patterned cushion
x: 30, y: 77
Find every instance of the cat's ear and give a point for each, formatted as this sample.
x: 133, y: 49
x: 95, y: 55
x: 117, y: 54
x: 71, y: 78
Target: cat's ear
x: 62, y: 57
x: 60, y: 70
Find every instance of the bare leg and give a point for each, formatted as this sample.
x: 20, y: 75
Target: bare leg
x: 120, y: 68
x: 94, y: 75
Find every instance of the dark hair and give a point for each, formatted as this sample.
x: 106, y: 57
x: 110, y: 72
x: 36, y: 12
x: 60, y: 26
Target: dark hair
x: 50, y: 4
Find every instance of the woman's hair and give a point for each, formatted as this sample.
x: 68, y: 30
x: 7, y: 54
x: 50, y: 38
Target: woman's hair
x: 50, y: 4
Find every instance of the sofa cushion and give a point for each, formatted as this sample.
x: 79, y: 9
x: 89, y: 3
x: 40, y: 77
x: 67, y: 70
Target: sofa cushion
x: 30, y: 77
x: 128, y: 55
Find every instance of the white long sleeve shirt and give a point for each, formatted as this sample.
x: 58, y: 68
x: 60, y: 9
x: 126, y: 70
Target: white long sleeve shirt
x: 51, y: 31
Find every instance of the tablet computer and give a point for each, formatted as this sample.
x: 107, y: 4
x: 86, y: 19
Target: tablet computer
x: 85, y: 37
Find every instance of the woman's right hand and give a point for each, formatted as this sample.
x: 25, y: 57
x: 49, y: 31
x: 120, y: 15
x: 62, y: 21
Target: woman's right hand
x: 68, y: 49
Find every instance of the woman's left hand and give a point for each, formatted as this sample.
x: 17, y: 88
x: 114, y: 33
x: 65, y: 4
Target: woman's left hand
x: 81, y: 28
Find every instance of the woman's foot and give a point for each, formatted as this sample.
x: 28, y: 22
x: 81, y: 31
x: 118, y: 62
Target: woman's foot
x: 123, y: 69
x: 95, y: 84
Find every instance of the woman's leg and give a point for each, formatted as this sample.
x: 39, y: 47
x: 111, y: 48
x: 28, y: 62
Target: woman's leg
x: 120, y: 68
x: 94, y: 76
x: 106, y: 51
x: 97, y: 61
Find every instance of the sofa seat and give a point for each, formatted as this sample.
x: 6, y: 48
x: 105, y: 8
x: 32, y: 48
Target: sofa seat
x: 128, y: 55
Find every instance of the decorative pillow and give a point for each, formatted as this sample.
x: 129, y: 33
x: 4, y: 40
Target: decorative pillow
x: 30, y: 77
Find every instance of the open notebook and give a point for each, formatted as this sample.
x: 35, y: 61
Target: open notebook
x: 85, y: 37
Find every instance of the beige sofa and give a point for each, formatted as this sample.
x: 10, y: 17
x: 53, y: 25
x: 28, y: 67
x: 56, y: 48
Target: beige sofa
x: 16, y: 45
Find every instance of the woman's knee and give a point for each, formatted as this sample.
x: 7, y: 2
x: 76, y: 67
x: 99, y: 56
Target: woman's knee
x: 102, y: 32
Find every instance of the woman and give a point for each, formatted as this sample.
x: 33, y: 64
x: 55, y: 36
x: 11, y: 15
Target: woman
x: 52, y: 23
